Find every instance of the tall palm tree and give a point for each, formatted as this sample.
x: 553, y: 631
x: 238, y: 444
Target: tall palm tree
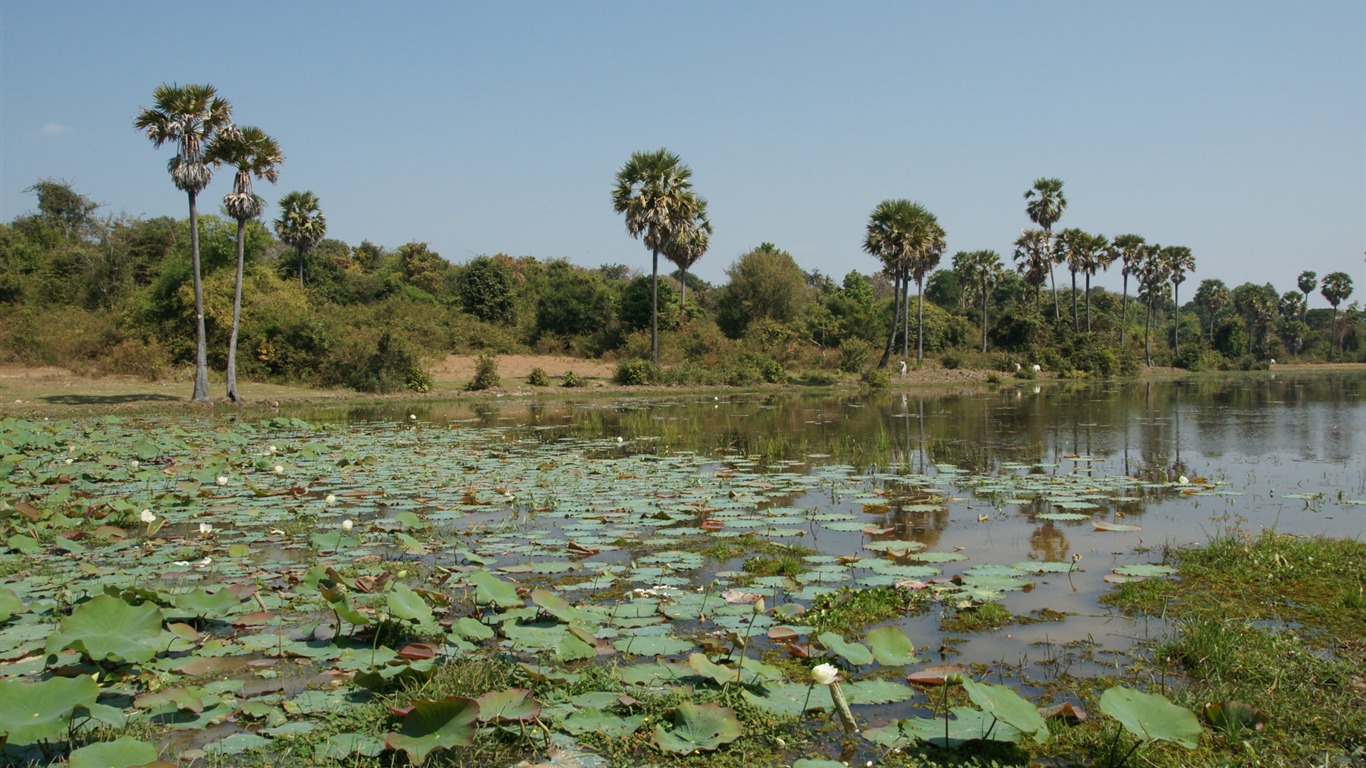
x: 189, y: 116
x: 254, y: 153
x: 654, y: 192
x: 1178, y: 261
x: 1096, y: 257
x: 1213, y: 297
x: 301, y: 224
x: 1129, y: 249
x: 1152, y: 286
x: 982, y: 268
x: 910, y: 242
x: 1307, y: 282
x: 1046, y: 205
x: 1071, y: 247
x: 686, y: 249
x: 1032, y: 259
x: 1336, y: 288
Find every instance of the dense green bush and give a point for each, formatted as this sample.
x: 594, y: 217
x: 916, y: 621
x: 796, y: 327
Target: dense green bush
x: 876, y: 378
x: 855, y: 355
x: 538, y: 378
x: 572, y: 380
x: 485, y: 373
x: 636, y: 373
x: 391, y: 367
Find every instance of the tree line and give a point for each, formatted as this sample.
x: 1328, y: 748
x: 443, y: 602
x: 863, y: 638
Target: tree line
x: 108, y: 294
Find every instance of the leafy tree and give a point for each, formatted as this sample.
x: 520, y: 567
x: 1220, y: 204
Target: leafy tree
x: 253, y: 153
x: 189, y: 116
x: 423, y: 268
x: 1130, y: 250
x: 765, y: 284
x: 944, y: 288
x: 1336, y: 288
x: 654, y: 192
x: 1292, y: 328
x: 573, y: 302
x: 1307, y: 282
x: 301, y: 224
x: 910, y: 242
x: 636, y: 303
x: 486, y: 290
x: 1152, y: 287
x: 1212, y: 297
x: 979, y: 269
x: 1033, y: 260
x: 1046, y: 205
x: 61, y: 206
x: 1256, y: 305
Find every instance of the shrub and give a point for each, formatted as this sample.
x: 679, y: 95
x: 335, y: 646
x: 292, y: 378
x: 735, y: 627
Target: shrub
x: 854, y: 355
x: 951, y: 360
x: 538, y: 378
x: 485, y: 373
x: 391, y: 367
x: 876, y: 378
x: 572, y: 379
x: 635, y: 373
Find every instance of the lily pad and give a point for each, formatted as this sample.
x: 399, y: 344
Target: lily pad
x: 434, y: 725
x: 34, y: 712
x: 1150, y: 716
x: 124, y: 752
x: 108, y: 629
x: 701, y: 727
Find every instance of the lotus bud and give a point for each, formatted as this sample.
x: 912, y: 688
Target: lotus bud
x: 825, y: 674
x: 347, y: 525
x: 205, y: 529
x: 330, y: 499
x: 147, y: 516
x: 279, y: 469
x: 222, y: 480
x: 828, y: 675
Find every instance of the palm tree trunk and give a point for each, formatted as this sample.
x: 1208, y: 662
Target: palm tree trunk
x: 1053, y: 286
x: 1147, y: 332
x: 1176, y: 319
x: 201, y: 352
x: 920, y: 321
x: 1124, y: 312
x: 236, y: 313
x: 896, y: 319
x: 1088, y: 302
x: 301, y: 265
x: 1076, y: 319
x: 654, y: 306
x: 682, y: 295
x: 984, y: 313
x: 906, y: 315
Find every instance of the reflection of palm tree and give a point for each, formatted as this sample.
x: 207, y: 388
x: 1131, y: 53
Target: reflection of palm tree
x: 1049, y: 544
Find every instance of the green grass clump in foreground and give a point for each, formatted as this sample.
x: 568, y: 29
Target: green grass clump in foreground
x: 1277, y: 622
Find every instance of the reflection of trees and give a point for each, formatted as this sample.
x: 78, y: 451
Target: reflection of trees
x: 1049, y: 543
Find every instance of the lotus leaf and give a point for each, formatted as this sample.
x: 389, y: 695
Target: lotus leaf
x: 891, y: 646
x: 10, y: 605
x: 491, y: 589
x: 1232, y: 717
x: 1003, y: 703
x: 34, y: 712
x: 698, y: 727
x: 433, y: 725
x: 108, y: 629
x: 594, y: 720
x: 1151, y: 716
x: 965, y: 725
x: 407, y: 605
x: 204, y: 603
x: 125, y: 752
x: 513, y: 704
x: 345, y: 745
x: 854, y: 653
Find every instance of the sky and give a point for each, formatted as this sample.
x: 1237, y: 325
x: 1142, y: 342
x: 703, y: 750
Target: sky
x: 1236, y: 128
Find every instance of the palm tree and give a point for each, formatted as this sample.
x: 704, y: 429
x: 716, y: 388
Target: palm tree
x: 1096, y: 257
x: 254, y: 153
x: 1130, y: 249
x: 189, y: 116
x: 909, y: 241
x: 1152, y: 284
x: 1072, y: 249
x: 1032, y: 259
x: 982, y: 268
x: 654, y: 192
x: 686, y: 249
x: 1336, y: 288
x: 1178, y: 261
x: 1045, y: 207
x: 301, y: 224
x: 1213, y: 297
x: 1307, y: 282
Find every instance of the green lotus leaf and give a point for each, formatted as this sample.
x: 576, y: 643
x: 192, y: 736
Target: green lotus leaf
x: 1006, y: 705
x: 125, y: 752
x: 10, y: 604
x: 891, y: 646
x: 652, y: 645
x: 34, y: 712
x: 204, y: 603
x: 854, y: 653
x: 469, y: 628
x: 1150, y: 716
x: 698, y: 727
x: 876, y: 691
x: 491, y: 589
x: 1233, y: 717
x: 108, y: 629
x: 407, y: 605
x: 513, y: 704
x: 433, y: 725
x: 341, y: 746
x: 237, y: 743
x: 594, y: 720
x: 400, y: 672
x: 965, y: 725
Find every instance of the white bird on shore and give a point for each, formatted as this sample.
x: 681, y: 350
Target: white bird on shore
x: 1037, y: 369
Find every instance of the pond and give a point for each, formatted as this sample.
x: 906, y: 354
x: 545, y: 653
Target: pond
x: 662, y: 519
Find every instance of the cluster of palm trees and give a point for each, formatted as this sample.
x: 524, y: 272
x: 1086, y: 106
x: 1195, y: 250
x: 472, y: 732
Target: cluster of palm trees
x: 654, y: 192
x: 909, y: 241
x: 199, y: 123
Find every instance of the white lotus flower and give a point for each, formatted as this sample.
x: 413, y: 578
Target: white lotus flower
x: 205, y: 529
x: 205, y: 563
x: 68, y: 461
x: 222, y: 480
x: 412, y: 417
x: 330, y: 499
x: 347, y: 525
x: 147, y: 516
x: 825, y: 674
x: 1183, y: 480
x: 273, y: 449
x: 279, y: 469
x: 136, y: 464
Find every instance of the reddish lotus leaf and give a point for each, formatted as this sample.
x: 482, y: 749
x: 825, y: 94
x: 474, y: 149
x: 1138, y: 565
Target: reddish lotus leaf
x: 945, y: 674
x: 400, y: 711
x: 73, y: 535
x: 873, y: 530
x: 1067, y: 712
x: 576, y: 548
x: 783, y: 634
x: 712, y: 525
x: 417, y: 651
x: 184, y: 631
x: 111, y: 532
x: 1102, y: 525
x: 257, y: 619
x: 28, y: 510
x: 242, y: 591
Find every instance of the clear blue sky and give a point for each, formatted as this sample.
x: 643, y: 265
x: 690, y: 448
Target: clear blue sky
x: 1236, y: 128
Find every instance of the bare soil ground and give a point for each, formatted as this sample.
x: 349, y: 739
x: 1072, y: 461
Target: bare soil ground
x: 27, y: 391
